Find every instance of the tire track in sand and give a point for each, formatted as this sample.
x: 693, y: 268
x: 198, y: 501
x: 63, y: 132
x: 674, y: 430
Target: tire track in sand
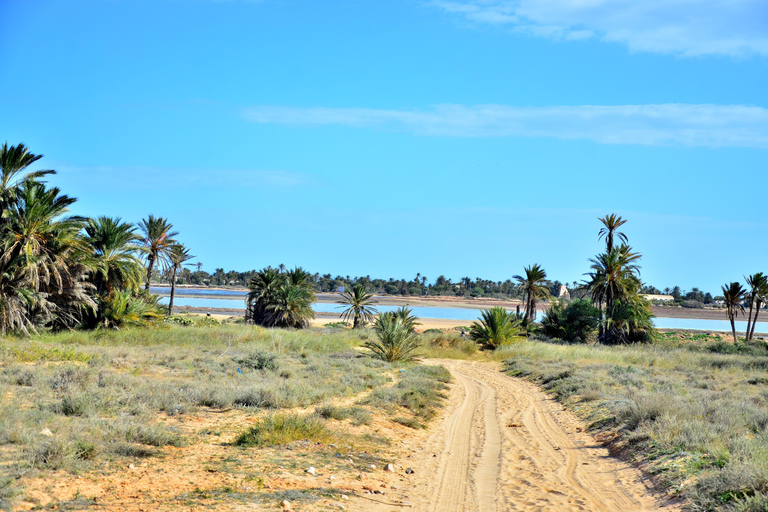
x: 503, y: 445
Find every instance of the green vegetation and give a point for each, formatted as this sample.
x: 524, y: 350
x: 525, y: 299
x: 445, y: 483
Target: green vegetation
x: 420, y: 390
x: 397, y: 338
x: 574, y: 321
x: 696, y: 416
x: 59, y: 271
x: 280, y: 299
x: 178, y: 255
x: 496, y: 327
x: 360, y: 304
x: 77, y: 399
x: 733, y: 295
x: 157, y: 242
x: 278, y: 429
x: 534, y: 287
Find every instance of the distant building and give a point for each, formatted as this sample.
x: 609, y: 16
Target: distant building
x: 658, y: 298
x: 564, y: 294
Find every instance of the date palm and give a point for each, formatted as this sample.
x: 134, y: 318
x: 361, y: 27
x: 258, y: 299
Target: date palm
x: 534, y: 286
x: 733, y: 295
x: 611, y: 223
x: 760, y: 298
x: 754, y: 282
x: 43, y: 266
x: 157, y: 239
x: 360, y: 306
x: 177, y: 256
x: 14, y: 160
x: 397, y: 341
x: 114, y: 246
x: 292, y: 307
x: 614, y: 277
x: 496, y: 327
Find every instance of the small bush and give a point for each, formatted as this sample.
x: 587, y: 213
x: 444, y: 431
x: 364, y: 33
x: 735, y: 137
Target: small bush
x: 19, y: 376
x: 68, y: 376
x: 259, y: 361
x: 358, y: 415
x: 278, y: 429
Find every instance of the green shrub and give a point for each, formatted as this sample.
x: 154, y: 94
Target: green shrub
x: 259, y: 361
x: 279, y: 429
x: 496, y: 327
x: 576, y: 321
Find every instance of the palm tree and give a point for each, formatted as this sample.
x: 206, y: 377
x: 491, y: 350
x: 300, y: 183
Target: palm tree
x: 496, y: 327
x: 396, y: 340
x: 158, y: 240
x: 614, y: 277
x: 534, y: 286
x: 177, y: 256
x: 760, y: 299
x: 13, y: 160
x: 280, y: 299
x: 292, y: 307
x: 264, y: 286
x: 613, y: 281
x: 114, y: 247
x: 754, y: 282
x: 733, y: 295
x: 43, y: 269
x: 611, y: 222
x: 360, y: 304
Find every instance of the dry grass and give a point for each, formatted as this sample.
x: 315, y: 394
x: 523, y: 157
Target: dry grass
x: 695, y: 417
x: 79, y: 402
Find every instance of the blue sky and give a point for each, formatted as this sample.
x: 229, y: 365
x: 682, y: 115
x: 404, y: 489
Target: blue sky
x: 464, y: 138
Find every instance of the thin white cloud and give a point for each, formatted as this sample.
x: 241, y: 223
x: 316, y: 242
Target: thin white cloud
x: 682, y: 27
x: 652, y: 125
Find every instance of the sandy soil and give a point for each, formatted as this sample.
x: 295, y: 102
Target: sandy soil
x: 503, y: 445
x: 500, y: 444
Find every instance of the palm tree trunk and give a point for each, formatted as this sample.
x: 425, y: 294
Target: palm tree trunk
x: 733, y: 328
x: 754, y: 322
x: 749, y: 317
x: 173, y: 290
x: 150, y: 264
x: 356, y: 322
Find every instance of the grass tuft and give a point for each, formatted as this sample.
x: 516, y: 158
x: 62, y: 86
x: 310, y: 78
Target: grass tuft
x: 278, y: 429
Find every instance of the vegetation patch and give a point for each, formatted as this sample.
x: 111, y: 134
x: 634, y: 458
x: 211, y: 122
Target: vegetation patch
x: 279, y: 429
x: 693, y: 415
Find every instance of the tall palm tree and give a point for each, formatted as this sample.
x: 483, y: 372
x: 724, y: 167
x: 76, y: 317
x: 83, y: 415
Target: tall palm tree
x: 114, y: 246
x: 614, y: 276
x: 760, y: 299
x: 733, y: 295
x: 754, y: 282
x: 158, y: 240
x: 360, y: 306
x: 611, y: 223
x: 177, y: 256
x: 534, y: 286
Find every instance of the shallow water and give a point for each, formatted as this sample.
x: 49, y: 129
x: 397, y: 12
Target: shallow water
x: 448, y: 313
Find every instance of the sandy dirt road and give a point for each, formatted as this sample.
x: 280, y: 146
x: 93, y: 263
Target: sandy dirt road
x: 503, y: 445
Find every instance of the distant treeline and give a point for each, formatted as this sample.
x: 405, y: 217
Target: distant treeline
x: 421, y: 285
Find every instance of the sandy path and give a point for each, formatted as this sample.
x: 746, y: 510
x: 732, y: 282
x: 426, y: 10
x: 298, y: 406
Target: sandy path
x: 504, y: 445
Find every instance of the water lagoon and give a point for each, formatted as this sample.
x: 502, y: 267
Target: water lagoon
x: 469, y: 315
